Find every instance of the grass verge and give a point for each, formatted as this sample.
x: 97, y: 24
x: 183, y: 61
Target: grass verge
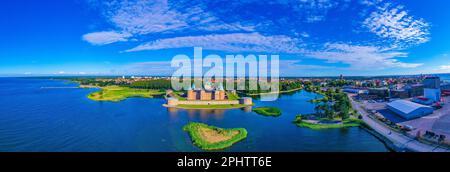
x: 350, y: 122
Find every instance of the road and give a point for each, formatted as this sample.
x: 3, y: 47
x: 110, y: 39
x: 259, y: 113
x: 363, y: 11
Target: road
x: 399, y: 140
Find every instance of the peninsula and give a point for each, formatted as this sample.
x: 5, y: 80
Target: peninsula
x: 117, y: 93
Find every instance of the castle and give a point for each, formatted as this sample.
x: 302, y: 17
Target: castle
x: 210, y: 93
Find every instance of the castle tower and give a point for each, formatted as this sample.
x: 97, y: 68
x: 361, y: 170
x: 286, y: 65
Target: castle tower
x: 246, y: 101
x: 191, y: 95
x: 172, y: 102
x: 216, y: 95
x: 222, y: 95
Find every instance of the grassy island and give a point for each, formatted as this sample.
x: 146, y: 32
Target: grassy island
x: 117, y: 93
x: 326, y: 123
x: 214, y: 138
x: 268, y: 111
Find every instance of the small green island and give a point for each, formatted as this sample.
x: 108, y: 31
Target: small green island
x: 268, y: 111
x: 118, y: 93
x: 214, y: 138
x: 318, y: 124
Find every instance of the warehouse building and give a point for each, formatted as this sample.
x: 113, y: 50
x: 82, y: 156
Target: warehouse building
x: 409, y: 110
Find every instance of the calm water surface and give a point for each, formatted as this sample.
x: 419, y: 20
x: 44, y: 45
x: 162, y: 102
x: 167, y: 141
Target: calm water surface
x: 49, y: 115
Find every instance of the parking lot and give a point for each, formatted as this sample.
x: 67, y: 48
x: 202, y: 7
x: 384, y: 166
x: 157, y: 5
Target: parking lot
x: 438, y: 122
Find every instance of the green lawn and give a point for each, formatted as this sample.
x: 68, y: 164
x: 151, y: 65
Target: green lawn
x: 177, y: 95
x: 117, y: 93
x: 232, y: 96
x: 214, y: 138
x: 351, y: 122
x: 225, y: 106
x: 268, y: 111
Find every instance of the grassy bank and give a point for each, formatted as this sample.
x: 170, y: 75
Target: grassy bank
x: 232, y: 96
x: 214, y: 138
x: 351, y: 122
x: 117, y: 93
x: 268, y: 111
x: 177, y: 95
x: 224, y: 106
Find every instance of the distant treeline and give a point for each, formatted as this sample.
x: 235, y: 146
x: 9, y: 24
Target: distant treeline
x: 152, y: 84
x: 94, y: 82
x: 283, y: 86
x: 166, y: 84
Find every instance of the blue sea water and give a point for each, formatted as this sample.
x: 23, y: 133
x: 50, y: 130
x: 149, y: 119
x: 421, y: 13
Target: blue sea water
x: 444, y: 77
x: 54, y: 116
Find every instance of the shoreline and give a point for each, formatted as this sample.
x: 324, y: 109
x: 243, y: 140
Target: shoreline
x: 212, y: 138
x: 206, y: 108
x: 278, y: 92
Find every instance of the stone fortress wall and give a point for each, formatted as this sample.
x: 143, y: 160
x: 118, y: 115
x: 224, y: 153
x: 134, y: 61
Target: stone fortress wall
x: 176, y: 102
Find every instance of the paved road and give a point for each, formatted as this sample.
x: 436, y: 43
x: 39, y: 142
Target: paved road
x: 398, y: 139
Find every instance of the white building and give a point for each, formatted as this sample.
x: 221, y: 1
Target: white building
x: 409, y: 110
x: 432, y: 88
x: 432, y: 94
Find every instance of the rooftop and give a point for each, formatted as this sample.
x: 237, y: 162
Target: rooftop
x: 406, y: 106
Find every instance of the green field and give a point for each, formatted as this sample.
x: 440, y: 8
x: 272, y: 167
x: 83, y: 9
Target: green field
x: 351, y: 122
x: 268, y: 111
x: 232, y: 96
x: 225, y: 106
x: 116, y: 93
x: 177, y: 95
x: 213, y: 138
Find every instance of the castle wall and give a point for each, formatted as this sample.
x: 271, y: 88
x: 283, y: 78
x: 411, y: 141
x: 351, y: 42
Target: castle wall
x: 204, y: 95
x: 191, y: 95
x: 212, y: 102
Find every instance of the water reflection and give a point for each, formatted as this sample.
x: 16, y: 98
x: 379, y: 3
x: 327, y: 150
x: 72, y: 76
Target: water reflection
x: 202, y: 114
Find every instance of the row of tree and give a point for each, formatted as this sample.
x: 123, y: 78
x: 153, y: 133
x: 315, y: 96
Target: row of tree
x: 94, y: 82
x: 151, y: 84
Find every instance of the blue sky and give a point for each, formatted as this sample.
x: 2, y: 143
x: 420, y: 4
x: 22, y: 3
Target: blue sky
x: 312, y: 37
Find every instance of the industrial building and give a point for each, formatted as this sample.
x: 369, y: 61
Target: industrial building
x: 355, y: 91
x: 380, y: 92
x: 432, y: 88
x: 409, y: 110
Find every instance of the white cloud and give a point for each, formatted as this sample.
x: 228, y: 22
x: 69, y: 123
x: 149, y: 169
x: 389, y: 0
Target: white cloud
x: 235, y: 42
x: 442, y: 69
x: 103, y: 38
x: 396, y: 24
x: 445, y: 67
x: 297, y: 65
x: 142, y: 17
x: 362, y: 57
x: 315, y: 10
x: 370, y: 2
x: 152, y: 19
x: 157, y: 16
